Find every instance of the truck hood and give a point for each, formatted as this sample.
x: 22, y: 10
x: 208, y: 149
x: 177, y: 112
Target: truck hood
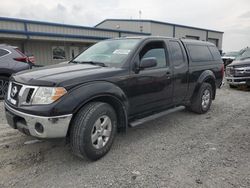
x: 65, y: 75
x: 240, y: 63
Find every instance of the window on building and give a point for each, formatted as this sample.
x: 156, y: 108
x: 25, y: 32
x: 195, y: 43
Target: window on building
x: 58, y: 53
x: 3, y: 52
x: 156, y: 50
x: 199, y: 53
x: 192, y: 37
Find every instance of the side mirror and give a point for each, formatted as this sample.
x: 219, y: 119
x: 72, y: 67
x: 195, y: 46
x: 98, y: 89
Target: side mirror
x: 148, y: 62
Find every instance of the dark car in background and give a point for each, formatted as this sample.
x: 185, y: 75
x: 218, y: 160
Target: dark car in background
x: 12, y: 60
x: 238, y: 72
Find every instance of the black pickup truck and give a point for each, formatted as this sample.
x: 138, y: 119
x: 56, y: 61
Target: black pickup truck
x: 114, y: 84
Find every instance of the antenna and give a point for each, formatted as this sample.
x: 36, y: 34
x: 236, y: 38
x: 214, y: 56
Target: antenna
x: 64, y: 42
x: 140, y: 12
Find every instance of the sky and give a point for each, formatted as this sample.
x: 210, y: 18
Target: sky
x: 230, y: 16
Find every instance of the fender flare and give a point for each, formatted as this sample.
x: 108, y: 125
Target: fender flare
x: 96, y: 91
x: 206, y: 76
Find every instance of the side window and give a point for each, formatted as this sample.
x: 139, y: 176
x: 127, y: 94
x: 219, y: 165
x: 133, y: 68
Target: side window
x: 176, y: 53
x: 3, y: 52
x: 156, y: 50
x: 215, y: 52
x: 199, y: 53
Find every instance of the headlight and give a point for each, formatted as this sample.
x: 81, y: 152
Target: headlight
x: 48, y: 95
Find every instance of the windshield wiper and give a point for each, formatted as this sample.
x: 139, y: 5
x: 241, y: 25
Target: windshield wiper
x: 90, y: 62
x: 73, y: 62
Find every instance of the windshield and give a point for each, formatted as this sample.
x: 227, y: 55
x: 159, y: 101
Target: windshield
x: 231, y: 54
x: 108, y: 52
x: 244, y: 55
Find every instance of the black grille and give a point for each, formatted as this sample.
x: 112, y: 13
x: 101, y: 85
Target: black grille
x: 30, y: 93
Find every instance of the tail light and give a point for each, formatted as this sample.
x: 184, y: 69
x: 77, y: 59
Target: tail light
x: 32, y: 59
x: 222, y: 70
x: 22, y: 59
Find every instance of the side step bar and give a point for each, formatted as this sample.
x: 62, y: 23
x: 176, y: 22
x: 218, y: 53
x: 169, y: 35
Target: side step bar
x: 155, y: 116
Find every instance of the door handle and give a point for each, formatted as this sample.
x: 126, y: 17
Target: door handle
x: 168, y: 73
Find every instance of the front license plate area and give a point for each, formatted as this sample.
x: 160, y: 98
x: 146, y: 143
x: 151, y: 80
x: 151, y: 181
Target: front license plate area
x: 14, y: 92
x: 10, y: 119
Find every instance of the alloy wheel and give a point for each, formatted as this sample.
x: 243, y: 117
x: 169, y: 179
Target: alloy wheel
x: 101, y: 132
x: 206, y: 97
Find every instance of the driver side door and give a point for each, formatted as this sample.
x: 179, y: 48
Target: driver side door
x: 151, y: 89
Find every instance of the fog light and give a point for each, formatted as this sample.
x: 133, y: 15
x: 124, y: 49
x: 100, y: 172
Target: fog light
x: 39, y: 127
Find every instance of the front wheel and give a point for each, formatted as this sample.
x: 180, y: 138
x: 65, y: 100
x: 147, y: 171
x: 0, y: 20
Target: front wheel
x: 4, y: 82
x: 202, y: 101
x: 93, y: 130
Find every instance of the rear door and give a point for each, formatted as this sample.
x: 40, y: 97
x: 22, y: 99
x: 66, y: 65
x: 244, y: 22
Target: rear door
x: 179, y: 62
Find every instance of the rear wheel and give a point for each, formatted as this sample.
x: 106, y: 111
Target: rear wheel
x: 203, y: 100
x: 93, y: 130
x: 4, y: 82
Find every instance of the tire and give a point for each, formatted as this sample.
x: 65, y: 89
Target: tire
x: 232, y: 86
x: 93, y: 130
x: 4, y: 82
x: 202, y: 101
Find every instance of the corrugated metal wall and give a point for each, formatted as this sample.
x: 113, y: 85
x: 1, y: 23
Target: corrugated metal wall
x: 165, y: 29
x: 183, y: 32
x: 162, y: 30
x: 43, y: 51
x: 70, y: 31
x: 11, y: 25
x: 38, y: 38
x: 123, y: 25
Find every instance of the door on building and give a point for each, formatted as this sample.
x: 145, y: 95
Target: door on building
x: 214, y: 41
x: 73, y: 52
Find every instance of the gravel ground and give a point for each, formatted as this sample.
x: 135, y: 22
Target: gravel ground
x: 179, y: 150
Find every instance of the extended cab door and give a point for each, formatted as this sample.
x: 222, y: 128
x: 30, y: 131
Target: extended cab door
x: 179, y: 62
x: 150, y: 89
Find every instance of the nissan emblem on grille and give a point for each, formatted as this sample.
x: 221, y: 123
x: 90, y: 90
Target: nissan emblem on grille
x: 13, y: 91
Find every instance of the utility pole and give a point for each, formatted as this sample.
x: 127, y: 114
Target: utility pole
x: 141, y: 26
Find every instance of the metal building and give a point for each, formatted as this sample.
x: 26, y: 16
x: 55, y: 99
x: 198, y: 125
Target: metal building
x: 52, y: 43
x: 164, y: 29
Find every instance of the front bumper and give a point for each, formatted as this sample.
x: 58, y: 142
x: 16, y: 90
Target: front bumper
x: 238, y: 80
x: 38, y: 126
